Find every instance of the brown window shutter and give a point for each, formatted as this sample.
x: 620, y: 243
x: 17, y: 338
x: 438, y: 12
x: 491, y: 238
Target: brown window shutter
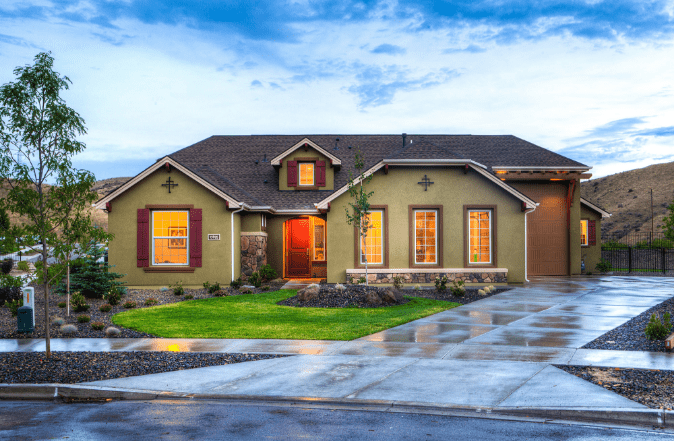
x: 292, y: 173
x: 143, y: 238
x: 320, y: 173
x: 592, y: 232
x: 195, y: 237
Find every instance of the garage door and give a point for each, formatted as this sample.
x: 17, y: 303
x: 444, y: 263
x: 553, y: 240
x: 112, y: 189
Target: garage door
x: 548, y: 250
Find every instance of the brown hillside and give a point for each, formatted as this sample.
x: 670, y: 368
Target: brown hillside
x: 627, y: 196
x: 108, y: 185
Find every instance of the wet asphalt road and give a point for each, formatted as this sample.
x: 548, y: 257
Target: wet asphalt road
x: 216, y: 420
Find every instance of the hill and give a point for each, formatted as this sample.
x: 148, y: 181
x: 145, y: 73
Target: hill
x: 627, y: 196
x: 106, y: 186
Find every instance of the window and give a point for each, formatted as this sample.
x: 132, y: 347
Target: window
x: 583, y: 233
x: 425, y: 236
x: 319, y: 239
x: 479, y: 236
x: 372, y: 245
x: 169, y: 237
x: 306, y: 173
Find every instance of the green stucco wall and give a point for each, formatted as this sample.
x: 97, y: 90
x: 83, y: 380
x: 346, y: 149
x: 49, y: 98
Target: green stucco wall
x: 453, y: 189
x: 275, y: 242
x: 310, y: 153
x: 251, y: 222
x: 591, y: 254
x: 122, y: 222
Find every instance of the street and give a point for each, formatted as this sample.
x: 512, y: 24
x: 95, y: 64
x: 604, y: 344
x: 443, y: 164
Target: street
x: 217, y: 420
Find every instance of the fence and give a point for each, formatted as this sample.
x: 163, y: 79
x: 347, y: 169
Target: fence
x: 639, y: 252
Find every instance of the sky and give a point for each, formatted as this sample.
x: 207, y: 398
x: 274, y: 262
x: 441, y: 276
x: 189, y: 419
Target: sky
x: 591, y: 80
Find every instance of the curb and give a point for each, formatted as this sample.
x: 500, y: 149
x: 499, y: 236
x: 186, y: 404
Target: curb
x: 610, y: 416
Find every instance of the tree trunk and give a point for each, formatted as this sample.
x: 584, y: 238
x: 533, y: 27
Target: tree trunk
x: 68, y: 288
x: 45, y: 273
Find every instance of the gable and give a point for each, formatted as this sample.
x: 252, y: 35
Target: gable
x: 305, y: 144
x: 305, y: 155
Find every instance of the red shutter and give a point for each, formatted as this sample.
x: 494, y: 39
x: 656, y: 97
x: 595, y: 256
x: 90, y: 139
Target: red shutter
x: 320, y: 173
x: 591, y: 232
x: 195, y: 237
x: 143, y: 238
x: 292, y: 173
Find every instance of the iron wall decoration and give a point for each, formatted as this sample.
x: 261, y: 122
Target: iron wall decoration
x: 169, y: 184
x: 425, y: 182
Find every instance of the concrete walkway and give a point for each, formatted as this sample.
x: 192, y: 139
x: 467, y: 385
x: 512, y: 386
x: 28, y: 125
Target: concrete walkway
x: 496, y: 352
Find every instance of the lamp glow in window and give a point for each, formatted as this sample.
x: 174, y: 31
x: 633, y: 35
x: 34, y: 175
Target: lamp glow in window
x: 169, y: 237
x: 425, y: 237
x: 372, y: 245
x: 583, y: 233
x: 479, y: 236
x: 307, y: 173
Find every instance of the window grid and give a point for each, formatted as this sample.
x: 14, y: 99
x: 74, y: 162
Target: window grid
x: 425, y: 237
x: 170, y: 237
x: 583, y: 233
x: 373, y: 243
x: 479, y: 237
x: 306, y: 173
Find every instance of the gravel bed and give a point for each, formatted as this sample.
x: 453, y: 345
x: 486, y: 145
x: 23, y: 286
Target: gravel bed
x: 471, y: 295
x: 630, y: 336
x: 78, y: 367
x: 8, y: 324
x: 652, y: 388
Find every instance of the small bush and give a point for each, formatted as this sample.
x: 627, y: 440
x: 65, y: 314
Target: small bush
x: 105, y: 308
x: 482, y: 292
x: 22, y: 266
x: 92, y: 278
x: 6, y: 266
x: 10, y: 288
x: 14, y: 306
x: 267, y: 273
x: 604, y: 266
x: 57, y: 321
x: 236, y: 284
x: 83, y: 318
x: 220, y: 293
x: 398, y: 282
x: 458, y: 288
x: 255, y: 279
x: 245, y: 290
x: 441, y: 283
x: 214, y: 287
x: 339, y: 287
x: 112, y: 331
x: 189, y: 297
x: 417, y: 287
x: 657, y: 330
x: 114, y: 296
x: 206, y: 285
x: 62, y: 304
x: 265, y: 288
x: 78, y: 302
x: 68, y: 329
x: 97, y: 325
x: 129, y: 305
x: 151, y: 301
x: 178, y: 288
x: 163, y: 289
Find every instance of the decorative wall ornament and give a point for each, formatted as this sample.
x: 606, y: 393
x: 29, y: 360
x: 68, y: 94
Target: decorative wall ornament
x: 425, y: 182
x: 169, y: 184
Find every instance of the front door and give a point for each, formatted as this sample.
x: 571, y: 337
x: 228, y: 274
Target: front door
x: 298, y: 241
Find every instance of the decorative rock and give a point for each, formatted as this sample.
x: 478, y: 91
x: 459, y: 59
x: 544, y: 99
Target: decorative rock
x: 372, y: 299
x: 307, y: 294
x: 392, y: 295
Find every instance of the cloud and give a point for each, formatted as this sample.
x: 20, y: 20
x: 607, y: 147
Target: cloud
x: 256, y: 83
x: 389, y: 49
x: 471, y: 48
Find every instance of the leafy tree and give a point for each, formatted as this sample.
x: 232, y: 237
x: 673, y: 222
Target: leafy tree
x: 4, y: 221
x: 38, y: 134
x: 357, y: 210
x: 669, y: 223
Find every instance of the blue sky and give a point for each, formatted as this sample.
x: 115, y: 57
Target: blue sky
x: 589, y: 79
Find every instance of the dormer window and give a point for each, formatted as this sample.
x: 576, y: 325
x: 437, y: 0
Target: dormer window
x: 306, y: 173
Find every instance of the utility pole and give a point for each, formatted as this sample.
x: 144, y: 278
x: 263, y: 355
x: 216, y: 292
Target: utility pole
x: 652, y: 220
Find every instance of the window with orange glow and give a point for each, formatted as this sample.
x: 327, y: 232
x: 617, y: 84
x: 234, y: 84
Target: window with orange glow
x: 425, y: 237
x: 372, y: 245
x: 306, y: 173
x: 169, y: 237
x: 479, y: 236
x: 583, y: 233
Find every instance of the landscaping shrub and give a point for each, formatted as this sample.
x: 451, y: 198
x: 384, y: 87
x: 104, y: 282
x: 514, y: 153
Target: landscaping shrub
x: 129, y: 305
x: 189, y: 297
x: 482, y: 292
x: 105, y: 308
x: 22, y: 266
x: 255, y: 279
x: 178, y: 288
x: 267, y: 273
x: 93, y: 279
x: 604, y: 266
x: 114, y: 296
x: 112, y: 331
x: 10, y: 288
x: 14, y: 306
x: 458, y: 288
x: 78, y: 302
x: 6, y: 266
x: 398, y: 282
x: 245, y: 290
x: 265, y: 288
x: 83, y: 318
x: 339, y: 287
x: 441, y: 283
x: 97, y: 325
x: 236, y: 284
x: 68, y: 329
x: 62, y: 304
x: 657, y: 330
x: 57, y: 321
x: 417, y: 287
x: 220, y: 293
x: 151, y: 301
x: 212, y: 288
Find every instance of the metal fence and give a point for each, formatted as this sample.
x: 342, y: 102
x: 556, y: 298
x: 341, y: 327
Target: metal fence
x: 639, y: 252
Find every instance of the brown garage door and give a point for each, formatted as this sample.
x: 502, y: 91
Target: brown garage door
x: 548, y: 250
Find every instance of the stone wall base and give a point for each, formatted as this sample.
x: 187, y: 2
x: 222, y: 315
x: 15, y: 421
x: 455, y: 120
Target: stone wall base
x: 412, y: 276
x: 253, y: 253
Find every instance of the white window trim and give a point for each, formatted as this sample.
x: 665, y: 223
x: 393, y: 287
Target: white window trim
x: 263, y: 221
x: 491, y: 238
x: 314, y: 258
x: 587, y: 233
x: 187, y: 239
x: 360, y: 242
x: 435, y: 262
x: 299, y: 174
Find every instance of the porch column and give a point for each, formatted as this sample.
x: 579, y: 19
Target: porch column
x: 253, y: 252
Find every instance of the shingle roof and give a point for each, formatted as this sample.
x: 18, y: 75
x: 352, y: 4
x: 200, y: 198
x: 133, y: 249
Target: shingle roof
x: 229, y: 162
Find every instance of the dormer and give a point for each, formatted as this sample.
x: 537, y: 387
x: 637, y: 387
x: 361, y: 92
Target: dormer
x: 306, y: 166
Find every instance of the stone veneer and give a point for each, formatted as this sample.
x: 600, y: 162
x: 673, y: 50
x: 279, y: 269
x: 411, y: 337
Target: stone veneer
x: 412, y: 276
x: 253, y: 252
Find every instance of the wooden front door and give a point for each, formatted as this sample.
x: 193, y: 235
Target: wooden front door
x: 298, y: 241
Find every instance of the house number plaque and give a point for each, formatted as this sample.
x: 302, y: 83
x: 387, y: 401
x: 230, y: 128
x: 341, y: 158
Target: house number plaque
x: 213, y: 237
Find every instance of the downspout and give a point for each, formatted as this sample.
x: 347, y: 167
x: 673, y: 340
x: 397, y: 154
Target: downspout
x: 526, y: 243
x: 232, y: 225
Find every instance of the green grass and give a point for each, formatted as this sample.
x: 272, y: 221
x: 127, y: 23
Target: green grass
x: 258, y: 316
x: 624, y: 270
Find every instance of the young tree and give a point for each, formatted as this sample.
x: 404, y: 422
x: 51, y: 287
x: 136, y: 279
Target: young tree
x: 669, y: 223
x: 357, y: 211
x: 38, y: 134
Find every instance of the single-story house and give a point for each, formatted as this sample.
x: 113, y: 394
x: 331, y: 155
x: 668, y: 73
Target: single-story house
x: 486, y: 209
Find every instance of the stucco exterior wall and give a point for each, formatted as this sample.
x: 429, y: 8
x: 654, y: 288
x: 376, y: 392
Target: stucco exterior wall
x: 251, y: 222
x: 452, y: 189
x: 574, y: 232
x: 122, y: 222
x: 591, y: 254
x: 310, y: 153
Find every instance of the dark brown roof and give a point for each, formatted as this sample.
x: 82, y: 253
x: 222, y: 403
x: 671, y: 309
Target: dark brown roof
x: 229, y: 162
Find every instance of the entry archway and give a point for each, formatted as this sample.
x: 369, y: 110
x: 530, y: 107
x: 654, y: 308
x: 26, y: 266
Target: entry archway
x: 304, y: 244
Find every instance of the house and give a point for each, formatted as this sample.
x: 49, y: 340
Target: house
x: 487, y: 209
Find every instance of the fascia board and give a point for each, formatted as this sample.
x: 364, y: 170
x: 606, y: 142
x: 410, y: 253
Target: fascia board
x: 604, y: 214
x: 535, y: 168
x: 529, y: 202
x: 432, y: 162
x: 335, y: 160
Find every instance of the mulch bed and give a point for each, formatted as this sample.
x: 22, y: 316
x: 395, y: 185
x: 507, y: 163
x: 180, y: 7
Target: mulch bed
x: 8, y: 324
x: 78, y: 367
x: 652, y: 388
x: 630, y: 336
x: 471, y: 295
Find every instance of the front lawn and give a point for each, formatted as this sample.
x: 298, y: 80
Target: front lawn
x: 258, y: 316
